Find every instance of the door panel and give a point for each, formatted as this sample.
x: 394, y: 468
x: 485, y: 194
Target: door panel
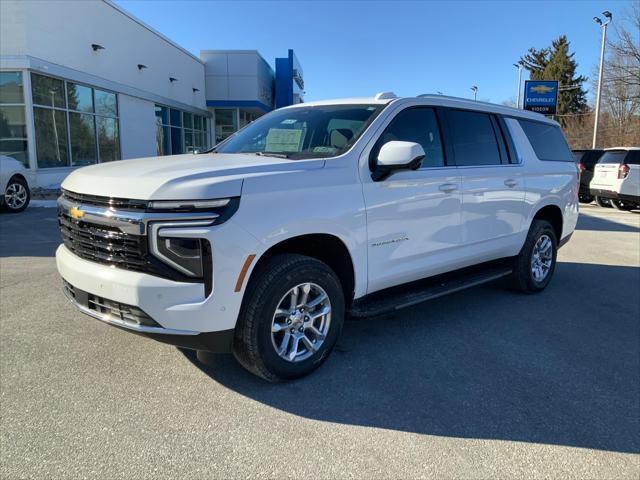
x: 413, y: 223
x: 493, y: 189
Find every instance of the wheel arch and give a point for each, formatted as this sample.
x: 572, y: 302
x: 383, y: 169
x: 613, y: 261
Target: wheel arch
x: 551, y: 213
x: 325, y: 247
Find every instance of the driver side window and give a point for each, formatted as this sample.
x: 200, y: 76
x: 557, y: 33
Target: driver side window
x: 419, y: 125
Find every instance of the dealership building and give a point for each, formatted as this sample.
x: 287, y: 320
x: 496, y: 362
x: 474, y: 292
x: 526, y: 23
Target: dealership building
x: 86, y: 82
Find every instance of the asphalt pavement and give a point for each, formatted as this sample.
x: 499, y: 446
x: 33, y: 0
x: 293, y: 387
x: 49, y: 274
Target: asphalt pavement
x: 483, y: 383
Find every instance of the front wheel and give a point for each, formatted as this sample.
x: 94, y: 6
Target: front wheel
x: 291, y: 317
x: 534, y: 266
x: 16, y: 196
x: 603, y: 202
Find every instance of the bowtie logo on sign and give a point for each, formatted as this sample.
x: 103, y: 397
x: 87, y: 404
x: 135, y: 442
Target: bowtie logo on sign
x: 541, y: 96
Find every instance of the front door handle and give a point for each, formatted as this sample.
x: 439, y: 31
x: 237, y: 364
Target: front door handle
x: 510, y: 182
x: 448, y: 187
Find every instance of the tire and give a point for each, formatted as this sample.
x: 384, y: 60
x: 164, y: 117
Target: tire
x: 523, y: 277
x: 603, y: 202
x: 585, y: 198
x: 270, y: 289
x: 618, y: 205
x: 16, y: 196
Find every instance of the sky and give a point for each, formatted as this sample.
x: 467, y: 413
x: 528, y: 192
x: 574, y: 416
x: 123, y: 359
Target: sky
x: 358, y: 48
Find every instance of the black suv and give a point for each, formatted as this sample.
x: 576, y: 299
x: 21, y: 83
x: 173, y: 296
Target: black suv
x: 586, y: 161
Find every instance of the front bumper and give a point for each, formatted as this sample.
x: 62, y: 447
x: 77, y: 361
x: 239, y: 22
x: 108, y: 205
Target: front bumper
x: 134, y: 320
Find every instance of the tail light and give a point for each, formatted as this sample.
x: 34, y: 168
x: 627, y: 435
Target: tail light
x: 623, y: 171
x: 580, y: 167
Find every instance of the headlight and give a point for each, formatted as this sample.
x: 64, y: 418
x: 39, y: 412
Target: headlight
x: 184, y: 254
x: 188, y: 205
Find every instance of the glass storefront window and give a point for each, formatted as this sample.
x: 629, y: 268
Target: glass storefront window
x: 79, y: 97
x: 176, y: 118
x: 108, y: 139
x: 106, y: 103
x: 226, y: 123
x: 188, y: 119
x: 162, y: 115
x: 176, y: 141
x: 89, y: 114
x: 179, y: 132
x: 51, y: 137
x: 47, y: 91
x: 13, y: 125
x: 11, y: 88
x: 83, y: 139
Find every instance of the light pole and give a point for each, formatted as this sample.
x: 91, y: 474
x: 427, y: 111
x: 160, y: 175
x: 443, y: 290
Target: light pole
x: 603, y: 26
x: 475, y: 92
x: 519, y: 67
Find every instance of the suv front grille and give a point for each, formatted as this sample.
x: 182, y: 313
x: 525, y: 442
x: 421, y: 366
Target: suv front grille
x: 109, y: 202
x: 103, y: 244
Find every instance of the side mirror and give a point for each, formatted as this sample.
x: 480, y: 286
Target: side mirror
x: 395, y: 156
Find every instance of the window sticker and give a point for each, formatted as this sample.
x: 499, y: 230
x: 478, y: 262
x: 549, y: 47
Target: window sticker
x: 283, y: 140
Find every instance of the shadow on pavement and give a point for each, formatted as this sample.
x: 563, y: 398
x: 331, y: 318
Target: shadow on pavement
x: 556, y: 368
x: 32, y: 233
x: 587, y: 222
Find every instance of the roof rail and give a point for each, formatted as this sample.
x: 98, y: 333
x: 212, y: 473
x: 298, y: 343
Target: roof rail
x: 385, y: 95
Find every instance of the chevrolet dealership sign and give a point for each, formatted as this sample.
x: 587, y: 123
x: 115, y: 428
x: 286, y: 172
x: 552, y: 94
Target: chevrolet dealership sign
x: 541, y: 96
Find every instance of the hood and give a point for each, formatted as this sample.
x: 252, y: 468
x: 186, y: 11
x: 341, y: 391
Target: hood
x: 179, y: 177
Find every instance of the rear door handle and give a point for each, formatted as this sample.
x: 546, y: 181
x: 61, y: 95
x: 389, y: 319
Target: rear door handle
x: 448, y: 187
x: 510, y: 182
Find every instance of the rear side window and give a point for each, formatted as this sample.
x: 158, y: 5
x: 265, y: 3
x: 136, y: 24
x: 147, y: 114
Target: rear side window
x: 473, y: 138
x: 577, y: 156
x: 547, y: 141
x: 633, y: 158
x: 419, y: 125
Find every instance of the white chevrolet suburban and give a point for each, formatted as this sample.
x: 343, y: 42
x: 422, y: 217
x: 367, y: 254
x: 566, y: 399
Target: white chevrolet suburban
x: 264, y: 244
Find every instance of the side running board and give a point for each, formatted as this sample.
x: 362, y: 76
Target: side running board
x: 396, y: 298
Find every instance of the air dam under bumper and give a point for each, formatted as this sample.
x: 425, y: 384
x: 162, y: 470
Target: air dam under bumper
x: 160, y: 299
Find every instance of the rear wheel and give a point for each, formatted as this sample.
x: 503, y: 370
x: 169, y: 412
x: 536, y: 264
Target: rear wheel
x: 603, y: 202
x: 291, y: 318
x: 534, y: 266
x: 584, y: 198
x: 620, y: 205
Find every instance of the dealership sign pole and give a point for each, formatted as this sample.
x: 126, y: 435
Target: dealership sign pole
x: 541, y: 96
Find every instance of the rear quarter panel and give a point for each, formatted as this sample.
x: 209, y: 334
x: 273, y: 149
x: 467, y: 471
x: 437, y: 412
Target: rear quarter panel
x: 547, y: 183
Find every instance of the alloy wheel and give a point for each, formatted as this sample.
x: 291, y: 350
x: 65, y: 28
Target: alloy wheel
x: 301, y: 322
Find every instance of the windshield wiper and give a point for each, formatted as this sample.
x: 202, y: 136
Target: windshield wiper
x: 272, y: 154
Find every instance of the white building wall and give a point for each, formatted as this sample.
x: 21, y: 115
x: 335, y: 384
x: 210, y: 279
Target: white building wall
x: 137, y: 127
x: 237, y: 75
x: 62, y: 31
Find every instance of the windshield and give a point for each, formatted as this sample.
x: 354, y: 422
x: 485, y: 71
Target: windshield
x: 303, y: 132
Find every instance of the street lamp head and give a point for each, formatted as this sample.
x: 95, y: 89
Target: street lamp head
x: 597, y: 20
x: 608, y: 14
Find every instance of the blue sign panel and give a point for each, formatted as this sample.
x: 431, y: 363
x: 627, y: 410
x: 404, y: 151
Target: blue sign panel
x: 541, y: 96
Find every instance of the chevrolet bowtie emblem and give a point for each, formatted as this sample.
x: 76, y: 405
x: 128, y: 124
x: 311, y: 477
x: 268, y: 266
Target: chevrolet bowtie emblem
x: 76, y: 213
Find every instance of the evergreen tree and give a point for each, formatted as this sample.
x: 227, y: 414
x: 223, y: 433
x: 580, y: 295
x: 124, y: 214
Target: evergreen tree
x: 556, y: 63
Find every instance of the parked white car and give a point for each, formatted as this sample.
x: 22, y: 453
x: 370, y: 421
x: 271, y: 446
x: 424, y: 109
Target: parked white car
x: 14, y: 185
x: 313, y: 212
x: 616, y: 178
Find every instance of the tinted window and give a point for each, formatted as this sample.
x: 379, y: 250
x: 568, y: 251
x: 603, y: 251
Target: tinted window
x: 577, y: 156
x: 633, y: 158
x: 473, y: 138
x: 547, y: 141
x: 613, y: 156
x: 419, y: 125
